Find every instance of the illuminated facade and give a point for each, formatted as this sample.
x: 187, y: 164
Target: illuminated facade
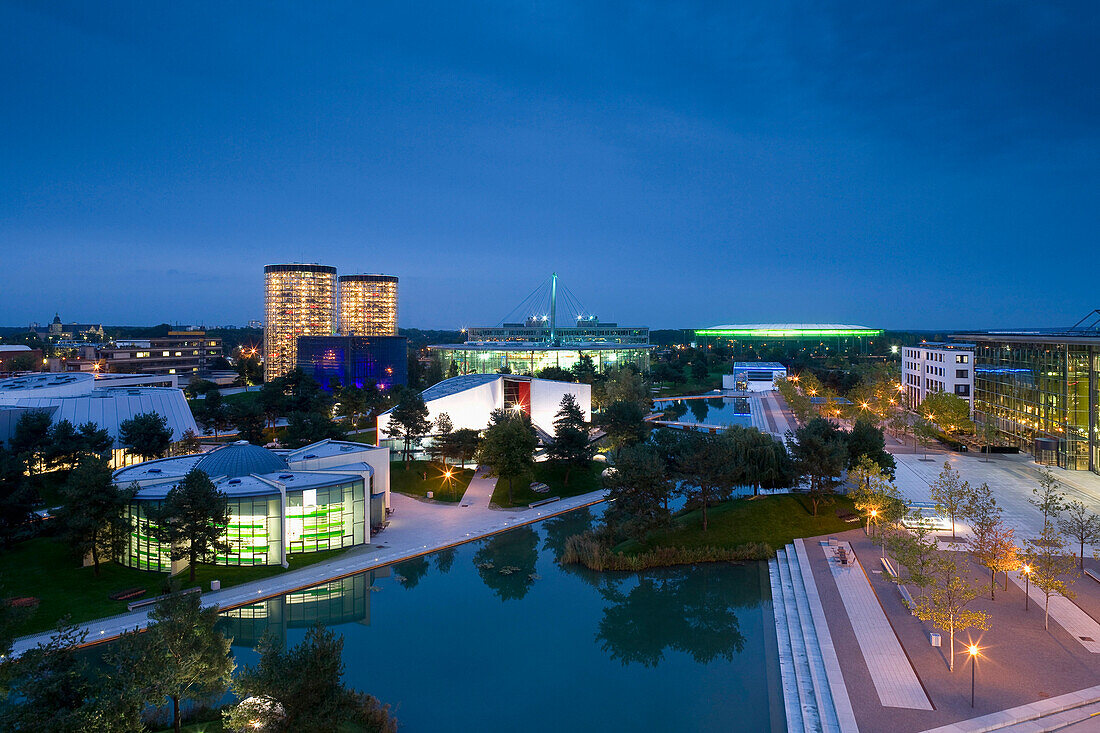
x: 355, y: 361
x: 1040, y: 390
x: 321, y: 497
x: 529, y: 358
x: 829, y: 336
x: 368, y: 305
x: 300, y: 300
x: 930, y: 368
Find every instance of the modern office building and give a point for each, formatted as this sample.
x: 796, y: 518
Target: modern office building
x: 754, y: 376
x: 1040, y: 388
x: 299, y: 300
x: 368, y: 305
x: 80, y: 398
x: 836, y: 337
x: 355, y: 360
x: 470, y: 399
x: 932, y: 367
x: 324, y: 496
x: 540, y: 340
x: 187, y: 354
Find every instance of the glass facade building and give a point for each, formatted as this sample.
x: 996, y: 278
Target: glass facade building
x: 490, y: 358
x: 1040, y: 392
x: 299, y: 300
x: 355, y: 360
x: 368, y: 305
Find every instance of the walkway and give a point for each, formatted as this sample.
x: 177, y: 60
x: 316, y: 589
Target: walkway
x: 417, y: 527
x: 1067, y: 614
x: 895, y: 681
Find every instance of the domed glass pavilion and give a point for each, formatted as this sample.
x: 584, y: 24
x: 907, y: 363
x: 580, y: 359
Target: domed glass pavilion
x: 325, y: 496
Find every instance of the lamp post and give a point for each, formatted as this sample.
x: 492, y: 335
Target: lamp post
x: 1027, y: 584
x: 874, y: 514
x: 973, y: 665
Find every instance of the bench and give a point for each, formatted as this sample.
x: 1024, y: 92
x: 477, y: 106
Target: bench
x: 128, y: 594
x: 847, y: 516
x: 150, y: 601
x: 1092, y: 575
x: 907, y: 599
x: 541, y: 502
x: 842, y: 556
x: 888, y: 567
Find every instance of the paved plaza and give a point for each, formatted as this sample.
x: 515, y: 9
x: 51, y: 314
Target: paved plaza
x: 416, y: 527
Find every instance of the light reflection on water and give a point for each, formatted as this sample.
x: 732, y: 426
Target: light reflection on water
x: 494, y: 635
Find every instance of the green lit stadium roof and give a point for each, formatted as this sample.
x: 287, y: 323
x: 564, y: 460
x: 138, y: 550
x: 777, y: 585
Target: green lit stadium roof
x: 788, y: 330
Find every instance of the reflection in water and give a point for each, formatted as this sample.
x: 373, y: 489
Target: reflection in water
x: 688, y: 609
x: 716, y: 402
x: 564, y: 526
x: 337, y: 602
x: 409, y: 572
x: 699, y: 408
x: 506, y: 563
x: 675, y: 411
x: 444, y: 559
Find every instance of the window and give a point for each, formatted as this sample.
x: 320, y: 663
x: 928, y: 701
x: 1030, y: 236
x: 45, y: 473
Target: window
x: 962, y: 373
x: 166, y: 353
x: 962, y: 390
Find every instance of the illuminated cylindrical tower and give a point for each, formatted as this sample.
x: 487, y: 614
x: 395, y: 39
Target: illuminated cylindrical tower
x: 300, y: 300
x: 368, y: 305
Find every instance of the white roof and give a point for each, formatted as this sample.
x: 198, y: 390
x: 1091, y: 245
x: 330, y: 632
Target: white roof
x: 14, y: 347
x: 793, y: 327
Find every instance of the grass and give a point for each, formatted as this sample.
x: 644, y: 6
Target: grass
x: 412, y: 483
x: 45, y: 568
x: 712, y: 382
x: 551, y: 473
x: 772, y: 520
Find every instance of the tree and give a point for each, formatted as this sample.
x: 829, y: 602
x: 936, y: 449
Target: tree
x: 302, y: 689
x: 571, y: 445
x: 52, y: 689
x: 874, y: 494
x: 584, y: 370
x: 213, y: 413
x: 91, y: 518
x: 707, y: 465
x: 639, y: 488
x: 820, y: 452
x: 441, y: 443
x: 1046, y: 497
x: 951, y: 494
x: 146, y: 434
x: 463, y: 444
x: 624, y: 384
x: 1050, y: 566
x: 198, y: 387
x: 988, y: 432
x: 186, y: 657
x: 925, y: 434
x: 508, y: 449
x: 452, y: 371
x: 192, y: 519
x: 248, y: 417
x: 95, y: 440
x: 17, y: 498
x: 950, y: 412
x: 353, y: 405
x: 409, y: 422
x: 65, y: 445
x: 915, y: 550
x: 306, y: 428
x: 624, y: 423
x: 763, y: 459
x: 991, y: 543
x: 1080, y: 524
x: 945, y: 604
x: 249, y: 370
x: 272, y: 399
x: 31, y: 439
x: 867, y: 440
x: 555, y: 373
x: 187, y: 444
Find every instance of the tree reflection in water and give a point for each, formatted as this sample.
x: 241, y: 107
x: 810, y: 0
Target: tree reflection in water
x: 699, y: 409
x: 444, y: 559
x: 410, y: 572
x: 506, y: 562
x: 687, y: 609
x: 564, y: 526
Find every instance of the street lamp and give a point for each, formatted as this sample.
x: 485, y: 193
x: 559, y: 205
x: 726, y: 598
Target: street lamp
x: 973, y: 665
x: 874, y: 515
x: 1027, y: 584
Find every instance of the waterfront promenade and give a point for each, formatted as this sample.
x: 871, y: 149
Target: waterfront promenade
x: 416, y: 527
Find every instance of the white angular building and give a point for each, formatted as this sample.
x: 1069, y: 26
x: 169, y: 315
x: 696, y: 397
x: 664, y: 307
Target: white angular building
x: 929, y: 367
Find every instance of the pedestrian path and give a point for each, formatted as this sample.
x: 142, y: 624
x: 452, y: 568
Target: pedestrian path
x: 895, y: 680
x: 1053, y: 713
x: 1066, y: 614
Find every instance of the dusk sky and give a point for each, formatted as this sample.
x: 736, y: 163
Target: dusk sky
x: 679, y: 164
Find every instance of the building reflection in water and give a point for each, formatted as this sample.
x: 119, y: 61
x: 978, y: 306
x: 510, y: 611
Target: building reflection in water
x: 342, y: 601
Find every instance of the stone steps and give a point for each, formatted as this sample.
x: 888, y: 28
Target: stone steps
x: 805, y: 670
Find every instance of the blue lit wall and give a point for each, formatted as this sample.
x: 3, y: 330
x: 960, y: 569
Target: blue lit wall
x: 355, y: 360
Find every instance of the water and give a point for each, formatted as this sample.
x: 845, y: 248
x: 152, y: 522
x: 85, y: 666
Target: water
x: 712, y: 411
x: 494, y: 635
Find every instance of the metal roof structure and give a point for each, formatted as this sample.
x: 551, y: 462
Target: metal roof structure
x: 788, y: 330
x: 454, y: 385
x: 240, y: 459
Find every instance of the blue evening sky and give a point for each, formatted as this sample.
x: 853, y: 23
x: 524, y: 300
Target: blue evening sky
x: 902, y: 165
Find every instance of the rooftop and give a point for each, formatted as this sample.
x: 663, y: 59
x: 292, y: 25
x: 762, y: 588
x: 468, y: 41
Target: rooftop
x: 454, y: 385
x: 774, y: 365
x: 31, y: 382
x: 241, y: 459
x: 788, y: 329
x: 540, y: 346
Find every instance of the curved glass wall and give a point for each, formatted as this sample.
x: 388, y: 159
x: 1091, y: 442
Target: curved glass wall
x: 530, y: 361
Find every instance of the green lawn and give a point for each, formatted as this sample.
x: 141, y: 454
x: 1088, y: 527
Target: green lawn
x: 581, y: 481
x: 775, y: 520
x: 44, y: 568
x: 411, y: 481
